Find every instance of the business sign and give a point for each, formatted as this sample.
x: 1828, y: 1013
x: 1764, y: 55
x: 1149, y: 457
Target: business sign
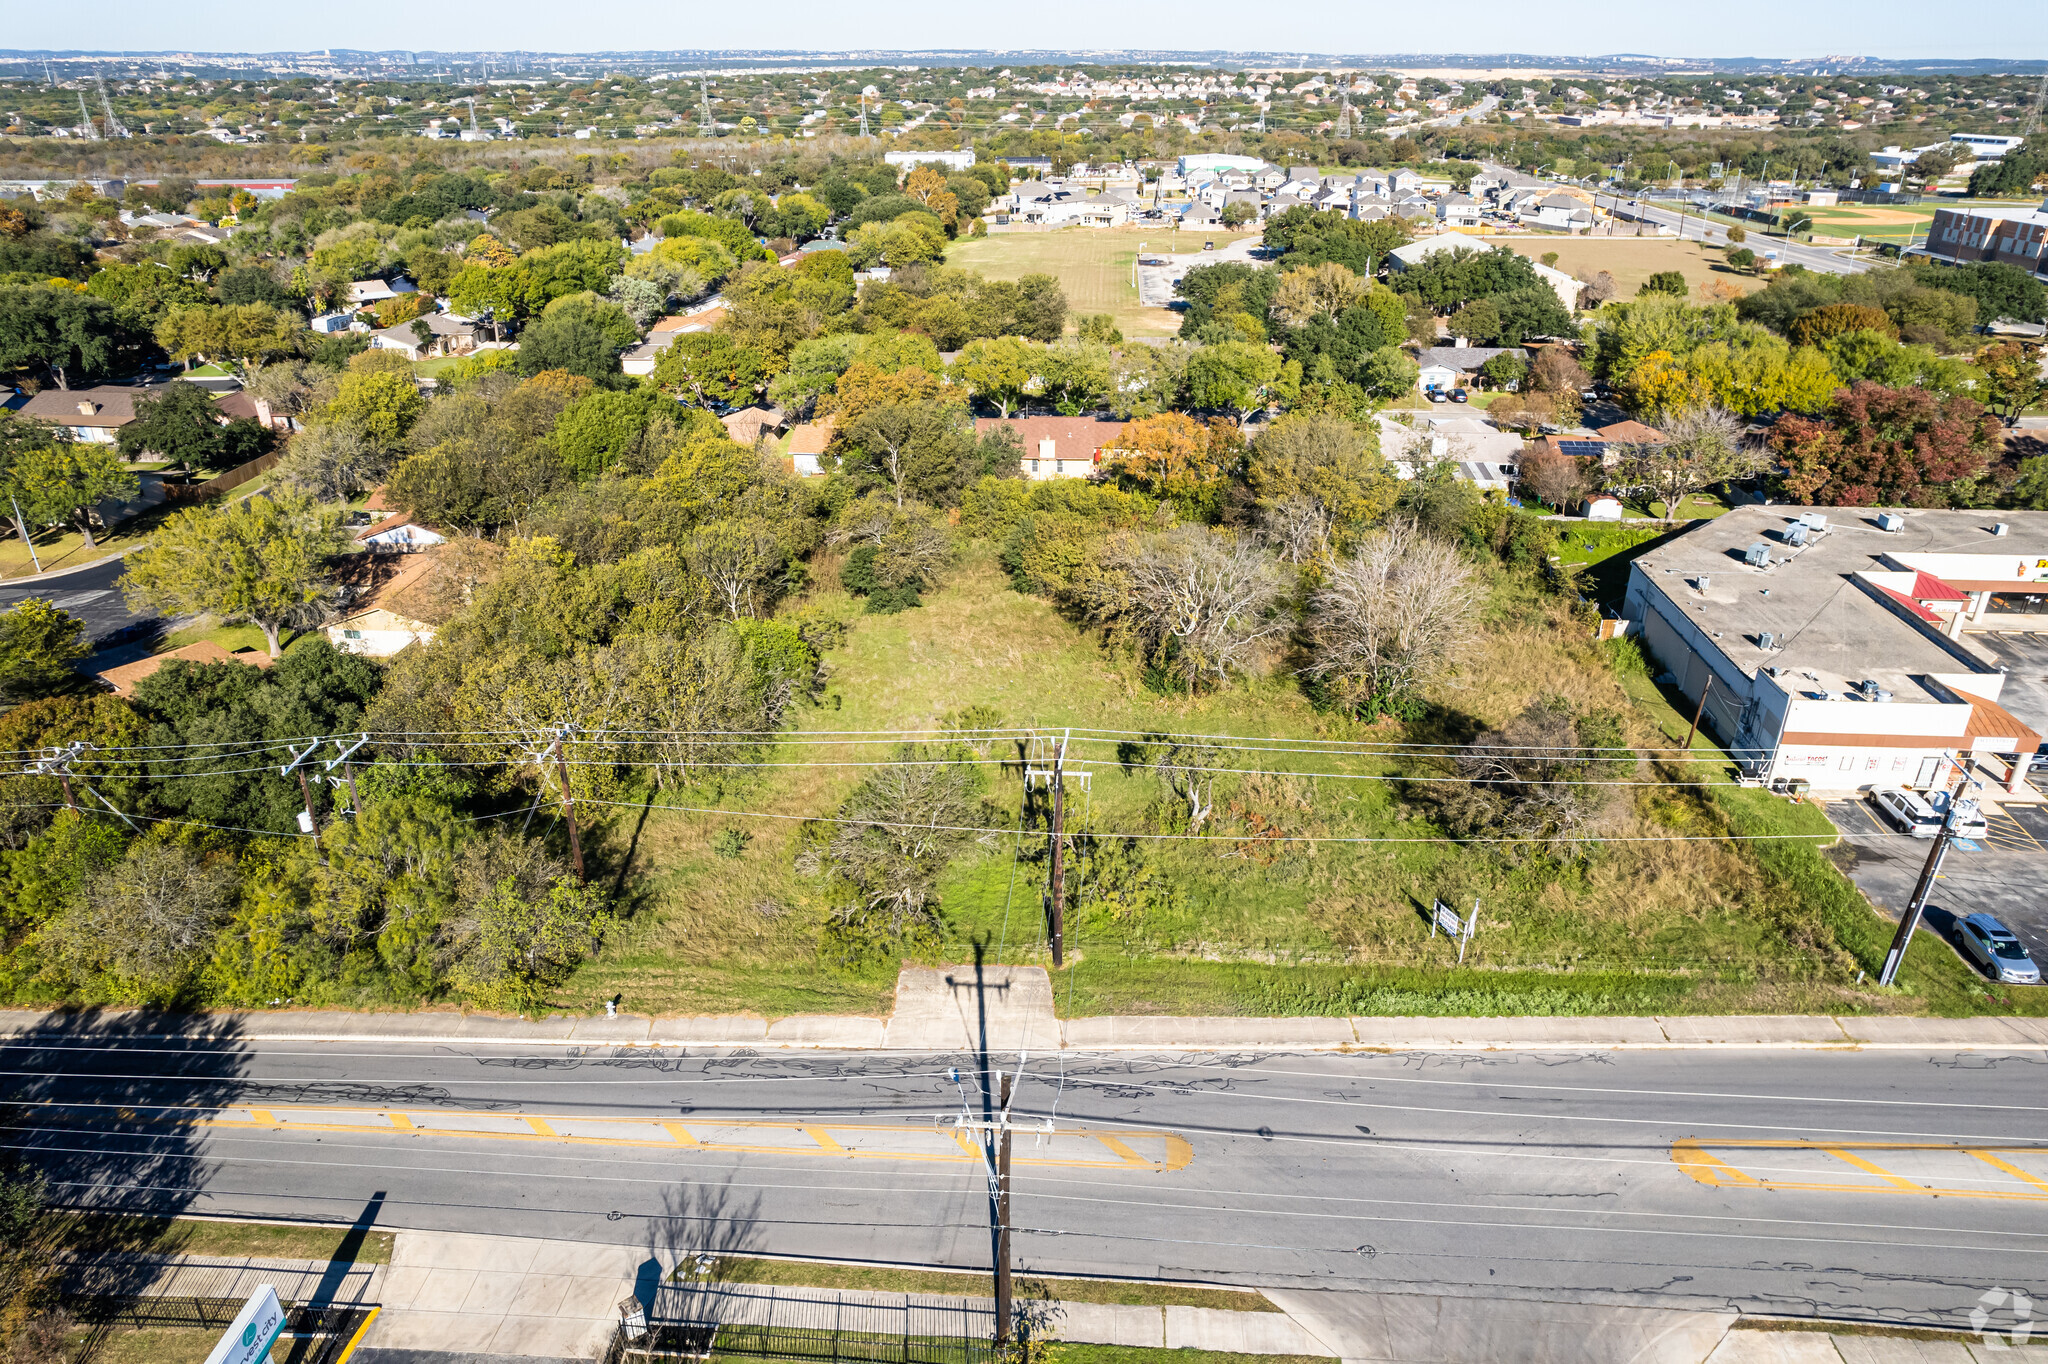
x: 1442, y: 916
x: 255, y: 1330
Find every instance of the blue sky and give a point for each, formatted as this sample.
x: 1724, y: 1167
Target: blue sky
x: 1882, y: 28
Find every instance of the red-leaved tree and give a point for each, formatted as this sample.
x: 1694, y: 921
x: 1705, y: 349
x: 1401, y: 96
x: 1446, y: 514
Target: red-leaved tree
x: 1883, y: 447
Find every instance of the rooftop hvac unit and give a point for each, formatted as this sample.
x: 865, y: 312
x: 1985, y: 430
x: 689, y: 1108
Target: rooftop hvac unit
x: 1767, y: 640
x: 1758, y: 555
x: 2000, y: 529
x: 1814, y: 520
x: 1796, y: 536
x: 1891, y: 521
x: 1703, y: 582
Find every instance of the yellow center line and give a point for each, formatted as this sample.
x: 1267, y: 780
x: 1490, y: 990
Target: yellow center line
x: 1690, y: 1156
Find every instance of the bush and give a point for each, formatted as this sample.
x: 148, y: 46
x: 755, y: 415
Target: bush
x: 730, y: 842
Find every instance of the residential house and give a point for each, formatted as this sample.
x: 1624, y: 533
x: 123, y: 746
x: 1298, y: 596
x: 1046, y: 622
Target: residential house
x: 808, y: 444
x: 122, y: 680
x: 379, y: 626
x: 328, y: 324
x: 1604, y: 444
x: 398, y: 533
x: 1414, y: 253
x: 1059, y: 447
x: 1561, y: 212
x: 452, y: 334
x: 93, y: 416
x: 750, y: 424
x: 1448, y: 367
x: 1459, y: 210
x: 363, y: 293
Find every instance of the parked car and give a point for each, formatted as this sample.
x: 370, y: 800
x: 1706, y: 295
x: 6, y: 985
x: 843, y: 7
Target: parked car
x: 2038, y: 764
x: 1972, y: 823
x: 1906, y: 812
x: 1996, y: 951
x: 1459, y: 395
x: 1437, y: 395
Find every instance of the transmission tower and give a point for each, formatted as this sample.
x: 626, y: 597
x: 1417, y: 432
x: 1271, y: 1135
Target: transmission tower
x: 705, y: 127
x: 115, y: 128
x: 2032, y: 123
x: 1343, y: 128
x: 86, y: 127
x: 870, y: 90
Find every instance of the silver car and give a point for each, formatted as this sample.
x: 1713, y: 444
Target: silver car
x: 1993, y: 947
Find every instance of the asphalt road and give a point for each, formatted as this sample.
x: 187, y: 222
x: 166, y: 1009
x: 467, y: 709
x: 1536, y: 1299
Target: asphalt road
x: 93, y: 594
x: 1692, y: 227
x: 1511, y: 1175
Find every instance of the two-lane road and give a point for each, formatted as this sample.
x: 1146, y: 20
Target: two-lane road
x: 1877, y: 1185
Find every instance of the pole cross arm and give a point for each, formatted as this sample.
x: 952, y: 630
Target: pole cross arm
x: 338, y: 761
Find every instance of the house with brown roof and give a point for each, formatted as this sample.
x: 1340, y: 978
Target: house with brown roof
x: 749, y: 424
x: 378, y: 626
x: 1059, y: 447
x: 94, y: 416
x: 807, y: 446
x: 124, y: 678
x: 398, y: 533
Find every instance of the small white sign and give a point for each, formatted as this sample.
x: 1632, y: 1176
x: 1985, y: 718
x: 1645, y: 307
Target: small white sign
x: 255, y: 1330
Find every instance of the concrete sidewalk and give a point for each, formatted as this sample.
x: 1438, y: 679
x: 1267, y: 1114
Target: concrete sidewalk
x: 446, y: 1293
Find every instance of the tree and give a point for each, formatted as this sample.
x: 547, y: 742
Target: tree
x: 710, y: 370
x: 913, y: 447
x: 67, y: 482
x: 1329, y: 462
x: 1553, y: 477
x: 330, y: 464
x: 1238, y: 213
x: 1041, y: 308
x: 1538, y: 777
x: 1395, y: 616
x: 56, y: 331
x: 738, y: 557
x: 1702, y: 448
x: 379, y: 408
x: 514, y: 946
x: 1478, y: 322
x: 2012, y: 378
x: 178, y: 422
x: 262, y: 560
x: 894, y: 836
x: 1316, y: 291
x: 997, y: 370
x: 1810, y: 329
x: 39, y: 644
x: 1177, y: 458
x: 1741, y: 258
x: 1311, y: 236
x: 1074, y: 376
x: 584, y: 341
x: 1884, y: 447
x: 1237, y: 377
x: 1199, y: 602
x: 147, y: 920
x: 1665, y: 282
x: 1737, y: 236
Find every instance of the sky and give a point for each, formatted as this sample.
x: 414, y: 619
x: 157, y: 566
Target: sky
x: 1880, y: 28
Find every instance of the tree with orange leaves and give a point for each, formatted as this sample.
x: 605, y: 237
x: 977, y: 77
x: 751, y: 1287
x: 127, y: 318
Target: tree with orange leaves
x: 1179, y: 459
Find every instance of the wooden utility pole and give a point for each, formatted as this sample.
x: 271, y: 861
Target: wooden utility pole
x: 348, y: 772
x: 298, y: 765
x: 1910, y: 920
x: 1059, y: 835
x: 1003, y: 1293
x: 568, y: 797
x: 1698, y: 711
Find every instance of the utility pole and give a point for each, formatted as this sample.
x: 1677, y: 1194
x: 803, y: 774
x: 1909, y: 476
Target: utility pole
x: 1059, y: 835
x: 348, y: 770
x: 554, y: 750
x: 21, y: 524
x: 59, y: 763
x: 994, y: 1139
x: 1004, y: 1309
x: 115, y: 128
x: 1910, y: 920
x: 1698, y: 711
x: 307, y: 824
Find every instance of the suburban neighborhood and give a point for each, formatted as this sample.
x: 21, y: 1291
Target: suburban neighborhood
x: 1013, y: 706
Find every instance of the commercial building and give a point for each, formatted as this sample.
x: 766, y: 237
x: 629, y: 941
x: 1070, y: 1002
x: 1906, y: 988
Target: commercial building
x: 2011, y: 236
x: 1832, y: 646
x: 952, y: 161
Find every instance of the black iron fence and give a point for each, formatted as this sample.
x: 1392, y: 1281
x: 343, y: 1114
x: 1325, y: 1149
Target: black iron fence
x: 312, y: 1335
x: 762, y: 1323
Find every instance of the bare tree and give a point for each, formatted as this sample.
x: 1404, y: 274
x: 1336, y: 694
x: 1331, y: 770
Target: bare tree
x: 1396, y: 615
x: 1538, y: 777
x: 896, y: 833
x: 1702, y: 448
x: 1298, y: 526
x: 1189, y: 772
x: 331, y: 464
x: 1553, y: 476
x: 1201, y: 601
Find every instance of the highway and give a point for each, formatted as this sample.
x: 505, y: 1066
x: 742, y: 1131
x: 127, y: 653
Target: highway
x: 1890, y: 1186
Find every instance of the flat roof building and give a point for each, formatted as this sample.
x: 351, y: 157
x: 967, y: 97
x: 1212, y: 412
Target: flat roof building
x: 1831, y: 644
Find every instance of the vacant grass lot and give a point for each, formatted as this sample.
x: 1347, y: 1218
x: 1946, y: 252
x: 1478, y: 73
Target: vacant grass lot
x: 1632, y: 260
x: 1327, y: 920
x: 1093, y: 265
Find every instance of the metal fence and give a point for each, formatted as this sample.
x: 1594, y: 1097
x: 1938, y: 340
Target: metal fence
x: 748, y: 1322
x: 312, y: 1335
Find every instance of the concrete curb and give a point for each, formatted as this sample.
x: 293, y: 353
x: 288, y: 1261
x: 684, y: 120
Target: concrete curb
x: 1109, y: 1034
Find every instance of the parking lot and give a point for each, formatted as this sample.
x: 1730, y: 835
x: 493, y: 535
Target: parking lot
x: 2025, y: 658
x: 2004, y: 876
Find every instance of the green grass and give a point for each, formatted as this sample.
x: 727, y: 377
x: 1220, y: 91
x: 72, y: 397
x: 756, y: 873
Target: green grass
x: 1319, y: 925
x: 84, y: 1232
x: 1132, y: 1354
x: 435, y: 367
x: 151, y: 1345
x: 229, y: 637
x: 807, y: 1274
x: 1093, y: 265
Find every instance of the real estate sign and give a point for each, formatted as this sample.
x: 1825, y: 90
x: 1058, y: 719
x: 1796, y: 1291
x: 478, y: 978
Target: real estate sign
x: 255, y: 1330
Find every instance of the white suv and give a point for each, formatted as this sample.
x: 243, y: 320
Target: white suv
x: 1906, y: 812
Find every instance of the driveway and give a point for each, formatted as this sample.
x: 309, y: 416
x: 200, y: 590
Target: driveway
x: 2004, y: 876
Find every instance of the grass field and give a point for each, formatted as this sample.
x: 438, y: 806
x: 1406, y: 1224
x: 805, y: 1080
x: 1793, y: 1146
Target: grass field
x: 1240, y: 924
x: 1093, y: 265
x: 1880, y: 222
x: 1632, y: 260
